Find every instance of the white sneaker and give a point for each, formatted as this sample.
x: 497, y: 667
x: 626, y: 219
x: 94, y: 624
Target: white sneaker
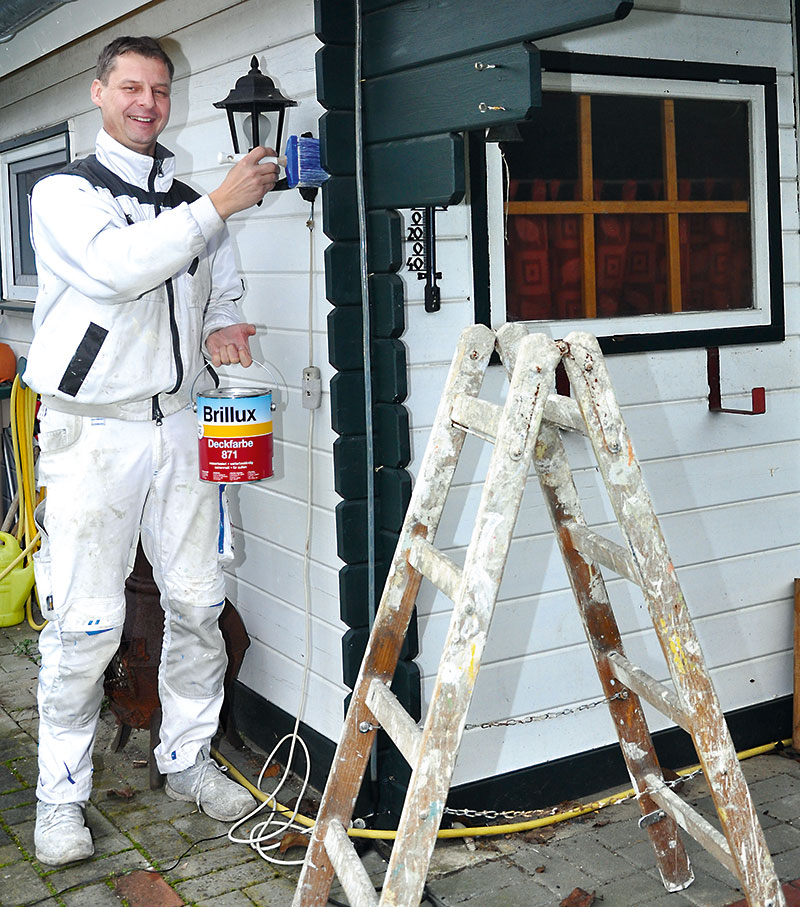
x: 205, y: 784
x: 61, y: 835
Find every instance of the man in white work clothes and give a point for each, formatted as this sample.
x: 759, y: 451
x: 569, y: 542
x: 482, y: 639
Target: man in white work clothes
x: 136, y: 281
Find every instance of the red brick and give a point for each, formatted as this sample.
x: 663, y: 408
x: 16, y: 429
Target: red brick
x: 791, y: 891
x: 146, y: 889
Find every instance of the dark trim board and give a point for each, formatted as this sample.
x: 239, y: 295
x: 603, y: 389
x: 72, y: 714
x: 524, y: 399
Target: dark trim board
x: 540, y: 786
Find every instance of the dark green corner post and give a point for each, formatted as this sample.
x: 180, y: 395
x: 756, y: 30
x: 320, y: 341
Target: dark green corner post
x: 335, y: 80
x: 432, y: 72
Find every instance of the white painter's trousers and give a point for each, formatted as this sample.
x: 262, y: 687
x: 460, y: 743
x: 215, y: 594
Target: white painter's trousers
x: 107, y: 480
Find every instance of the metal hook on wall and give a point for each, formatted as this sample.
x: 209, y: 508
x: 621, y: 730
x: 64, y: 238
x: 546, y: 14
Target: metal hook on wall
x: 758, y: 394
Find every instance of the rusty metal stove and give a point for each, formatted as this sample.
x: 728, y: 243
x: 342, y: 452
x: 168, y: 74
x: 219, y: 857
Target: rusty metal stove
x: 131, y: 680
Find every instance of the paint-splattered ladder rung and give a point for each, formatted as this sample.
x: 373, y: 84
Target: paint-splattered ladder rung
x: 565, y: 413
x: 395, y: 720
x: 475, y: 416
x: 648, y: 688
x: 436, y: 566
x: 350, y: 870
x: 605, y: 552
x: 691, y: 822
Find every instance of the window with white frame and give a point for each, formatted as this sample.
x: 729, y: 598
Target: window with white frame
x: 22, y: 162
x: 647, y: 205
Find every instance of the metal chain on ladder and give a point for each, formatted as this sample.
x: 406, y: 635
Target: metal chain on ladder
x: 543, y: 813
x: 546, y: 716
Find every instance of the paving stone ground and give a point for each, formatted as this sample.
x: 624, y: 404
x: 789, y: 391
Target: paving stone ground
x: 136, y: 829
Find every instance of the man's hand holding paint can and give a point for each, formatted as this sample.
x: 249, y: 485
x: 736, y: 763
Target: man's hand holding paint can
x: 231, y: 345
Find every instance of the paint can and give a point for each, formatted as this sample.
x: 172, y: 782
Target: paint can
x: 234, y: 429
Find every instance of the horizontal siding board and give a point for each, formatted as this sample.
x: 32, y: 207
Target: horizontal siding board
x: 692, y: 538
x: 536, y: 683
x: 281, y: 624
x: 669, y: 37
x: 264, y: 569
x: 677, y: 377
x: 675, y: 485
x: 447, y: 95
x: 550, y: 621
x: 768, y: 10
x: 281, y: 300
x: 657, y: 432
x: 282, y: 520
x: 81, y: 55
x: 401, y: 36
x: 751, y: 528
x: 268, y: 671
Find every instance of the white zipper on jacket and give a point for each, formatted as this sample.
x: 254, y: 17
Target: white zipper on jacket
x: 158, y: 416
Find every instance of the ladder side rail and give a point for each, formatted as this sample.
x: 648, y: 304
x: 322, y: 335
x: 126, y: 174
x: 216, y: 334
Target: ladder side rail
x: 561, y: 411
x: 603, y: 635
x: 473, y: 350
x: 602, y: 632
x: 591, y: 385
x: 485, y: 561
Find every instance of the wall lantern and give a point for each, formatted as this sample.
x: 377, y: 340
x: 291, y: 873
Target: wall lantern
x: 254, y: 95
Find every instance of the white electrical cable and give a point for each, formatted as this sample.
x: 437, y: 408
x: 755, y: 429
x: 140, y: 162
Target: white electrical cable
x: 260, y: 837
x: 266, y: 835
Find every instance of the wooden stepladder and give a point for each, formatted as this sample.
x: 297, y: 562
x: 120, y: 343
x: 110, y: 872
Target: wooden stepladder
x: 525, y: 430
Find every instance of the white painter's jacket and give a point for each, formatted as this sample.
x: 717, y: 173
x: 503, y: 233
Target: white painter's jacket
x: 135, y: 270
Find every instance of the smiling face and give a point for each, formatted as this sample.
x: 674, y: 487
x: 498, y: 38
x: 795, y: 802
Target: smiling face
x: 134, y: 101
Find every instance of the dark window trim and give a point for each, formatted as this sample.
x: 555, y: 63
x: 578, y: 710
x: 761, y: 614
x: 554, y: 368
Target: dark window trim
x: 593, y: 64
x: 31, y: 138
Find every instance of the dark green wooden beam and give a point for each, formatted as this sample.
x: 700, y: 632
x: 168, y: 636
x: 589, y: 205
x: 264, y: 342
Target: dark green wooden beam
x: 416, y: 172
x: 409, y: 33
x: 337, y: 142
x: 453, y: 96
x: 334, y: 67
x: 334, y: 23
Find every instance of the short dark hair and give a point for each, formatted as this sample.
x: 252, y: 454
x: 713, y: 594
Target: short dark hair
x: 144, y: 46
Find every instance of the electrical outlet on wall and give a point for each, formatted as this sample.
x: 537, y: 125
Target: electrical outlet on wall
x: 312, y: 387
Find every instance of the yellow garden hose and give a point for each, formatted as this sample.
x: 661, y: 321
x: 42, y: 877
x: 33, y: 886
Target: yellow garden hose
x: 483, y: 831
x: 23, y: 415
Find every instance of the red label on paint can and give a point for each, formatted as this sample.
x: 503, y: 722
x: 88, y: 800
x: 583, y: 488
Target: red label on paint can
x: 235, y: 435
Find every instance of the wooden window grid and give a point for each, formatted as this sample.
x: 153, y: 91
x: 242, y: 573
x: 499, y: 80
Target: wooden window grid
x: 587, y: 206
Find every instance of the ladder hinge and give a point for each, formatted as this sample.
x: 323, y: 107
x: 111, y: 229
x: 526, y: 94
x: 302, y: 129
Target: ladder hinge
x: 651, y: 818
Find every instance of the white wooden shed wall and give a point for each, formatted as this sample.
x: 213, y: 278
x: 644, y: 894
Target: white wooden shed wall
x: 211, y: 43
x: 725, y: 487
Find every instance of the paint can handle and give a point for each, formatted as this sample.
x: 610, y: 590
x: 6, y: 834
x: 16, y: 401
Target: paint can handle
x: 207, y: 365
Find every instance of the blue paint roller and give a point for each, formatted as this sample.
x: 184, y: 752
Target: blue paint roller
x: 303, y: 168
